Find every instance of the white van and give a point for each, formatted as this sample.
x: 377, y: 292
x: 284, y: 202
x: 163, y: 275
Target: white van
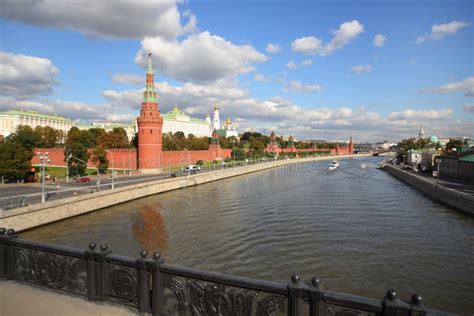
x: 192, y: 168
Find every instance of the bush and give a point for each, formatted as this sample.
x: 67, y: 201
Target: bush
x: 199, y: 162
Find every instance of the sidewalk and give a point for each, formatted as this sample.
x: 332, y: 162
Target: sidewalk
x: 449, y: 183
x: 23, y: 300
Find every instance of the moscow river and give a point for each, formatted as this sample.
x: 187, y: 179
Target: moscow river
x: 359, y: 229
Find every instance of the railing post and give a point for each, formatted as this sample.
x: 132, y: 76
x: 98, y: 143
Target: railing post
x: 92, y: 271
x: 143, y: 292
x: 103, y: 273
x: 417, y: 306
x: 7, y: 262
x: 296, y: 290
x: 317, y: 307
x: 157, y: 285
x: 392, y: 306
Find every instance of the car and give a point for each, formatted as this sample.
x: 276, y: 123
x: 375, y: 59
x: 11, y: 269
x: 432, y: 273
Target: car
x: 192, y: 168
x: 83, y: 179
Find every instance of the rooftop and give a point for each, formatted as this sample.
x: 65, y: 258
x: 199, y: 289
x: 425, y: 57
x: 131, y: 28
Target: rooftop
x: 35, y: 115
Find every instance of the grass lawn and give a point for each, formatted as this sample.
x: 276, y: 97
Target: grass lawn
x: 60, y: 172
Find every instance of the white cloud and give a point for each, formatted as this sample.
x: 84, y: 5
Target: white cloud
x: 291, y: 65
x: 420, y: 115
x: 273, y: 48
x: 307, y: 45
x: 286, y: 117
x: 439, y: 31
x: 379, y: 40
x: 344, y: 35
x: 260, y: 78
x: 466, y: 85
x: 24, y: 76
x: 306, y: 62
x: 71, y: 109
x: 297, y: 86
x: 359, y: 69
x: 128, y: 79
x: 469, y: 108
x: 105, y: 18
x: 200, y: 58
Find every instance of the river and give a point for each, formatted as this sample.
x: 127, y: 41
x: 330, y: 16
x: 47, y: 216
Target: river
x: 359, y: 229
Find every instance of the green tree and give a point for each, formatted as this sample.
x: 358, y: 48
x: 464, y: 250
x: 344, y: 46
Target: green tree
x: 26, y: 137
x: 454, y: 144
x: 99, y: 157
x: 117, y: 138
x: 49, y: 137
x: 95, y: 133
x: 15, y: 160
x: 76, y: 145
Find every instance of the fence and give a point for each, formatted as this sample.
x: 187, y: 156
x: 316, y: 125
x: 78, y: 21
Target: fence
x: 149, y: 285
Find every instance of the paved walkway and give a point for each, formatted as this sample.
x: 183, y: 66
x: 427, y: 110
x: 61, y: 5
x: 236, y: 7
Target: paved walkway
x: 23, y: 300
x: 450, y: 183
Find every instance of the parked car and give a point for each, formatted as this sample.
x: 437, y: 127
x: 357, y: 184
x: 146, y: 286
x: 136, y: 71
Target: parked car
x: 192, y: 168
x: 83, y: 179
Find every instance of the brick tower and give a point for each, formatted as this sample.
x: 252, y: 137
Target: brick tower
x: 149, y: 128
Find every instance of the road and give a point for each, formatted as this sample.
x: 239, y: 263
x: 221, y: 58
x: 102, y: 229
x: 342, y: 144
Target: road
x: 18, y: 195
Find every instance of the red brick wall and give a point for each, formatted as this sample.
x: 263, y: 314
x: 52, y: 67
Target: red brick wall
x: 127, y: 158
x: 174, y: 158
x: 55, y: 155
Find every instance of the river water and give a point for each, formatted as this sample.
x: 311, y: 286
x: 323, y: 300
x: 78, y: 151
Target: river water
x: 359, y: 229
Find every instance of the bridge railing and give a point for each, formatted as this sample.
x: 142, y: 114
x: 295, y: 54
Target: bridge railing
x: 149, y: 285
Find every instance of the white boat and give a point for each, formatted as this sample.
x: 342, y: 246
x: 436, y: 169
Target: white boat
x: 333, y: 165
x: 363, y: 166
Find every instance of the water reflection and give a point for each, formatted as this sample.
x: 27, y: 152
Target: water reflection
x: 149, y: 229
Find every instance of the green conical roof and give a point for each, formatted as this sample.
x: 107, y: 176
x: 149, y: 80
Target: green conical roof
x: 150, y: 66
x: 150, y: 94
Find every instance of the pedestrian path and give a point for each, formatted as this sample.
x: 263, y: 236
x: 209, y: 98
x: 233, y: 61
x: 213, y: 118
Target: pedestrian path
x: 23, y: 300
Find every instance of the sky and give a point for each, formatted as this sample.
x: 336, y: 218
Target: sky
x: 374, y: 70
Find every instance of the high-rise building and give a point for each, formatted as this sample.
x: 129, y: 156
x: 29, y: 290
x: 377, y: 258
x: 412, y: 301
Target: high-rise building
x: 149, y: 127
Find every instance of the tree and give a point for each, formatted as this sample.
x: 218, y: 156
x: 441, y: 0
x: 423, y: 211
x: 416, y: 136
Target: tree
x: 99, y: 157
x: 15, y: 160
x: 117, y: 138
x: 95, y: 133
x: 49, y: 137
x: 454, y: 144
x: 77, y: 143
x: 26, y: 137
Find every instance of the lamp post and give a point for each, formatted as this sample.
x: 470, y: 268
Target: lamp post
x: 112, y: 156
x: 69, y: 156
x: 43, y: 160
x: 438, y: 161
x: 189, y: 162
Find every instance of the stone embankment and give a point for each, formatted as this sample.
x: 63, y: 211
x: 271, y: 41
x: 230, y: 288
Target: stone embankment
x: 40, y: 214
x: 458, y: 200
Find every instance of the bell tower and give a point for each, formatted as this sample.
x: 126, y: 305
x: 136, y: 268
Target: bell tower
x: 149, y: 128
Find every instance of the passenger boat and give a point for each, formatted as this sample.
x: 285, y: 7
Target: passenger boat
x: 333, y: 165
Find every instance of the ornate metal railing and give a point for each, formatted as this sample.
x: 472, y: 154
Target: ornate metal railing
x: 149, y: 285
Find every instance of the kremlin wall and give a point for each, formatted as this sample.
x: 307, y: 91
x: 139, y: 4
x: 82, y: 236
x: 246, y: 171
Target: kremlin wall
x: 150, y: 158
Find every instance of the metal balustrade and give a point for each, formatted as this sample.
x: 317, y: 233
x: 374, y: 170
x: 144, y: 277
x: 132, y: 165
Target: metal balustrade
x: 149, y: 285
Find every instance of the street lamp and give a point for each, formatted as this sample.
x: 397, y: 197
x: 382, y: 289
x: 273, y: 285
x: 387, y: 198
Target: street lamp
x: 189, y: 162
x: 67, y: 166
x: 112, y: 156
x: 43, y: 160
x: 438, y: 161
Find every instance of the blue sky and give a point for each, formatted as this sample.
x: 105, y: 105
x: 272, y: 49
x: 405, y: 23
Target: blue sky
x: 325, y: 77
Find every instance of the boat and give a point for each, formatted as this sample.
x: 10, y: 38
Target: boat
x: 363, y: 166
x: 333, y: 165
